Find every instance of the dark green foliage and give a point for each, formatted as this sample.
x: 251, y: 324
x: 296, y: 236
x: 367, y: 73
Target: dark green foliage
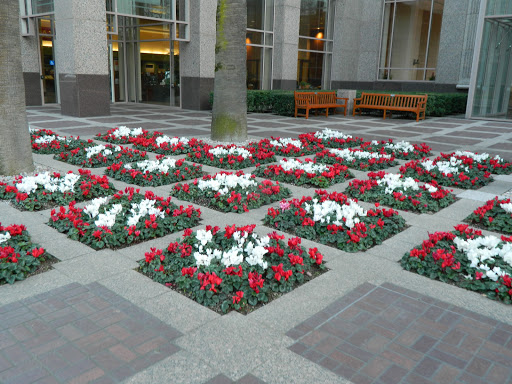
x: 281, y: 102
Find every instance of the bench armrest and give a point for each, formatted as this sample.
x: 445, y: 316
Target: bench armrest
x: 342, y: 98
x: 357, y: 99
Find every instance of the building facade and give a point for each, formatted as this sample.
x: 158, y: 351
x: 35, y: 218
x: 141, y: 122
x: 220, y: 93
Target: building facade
x: 87, y: 54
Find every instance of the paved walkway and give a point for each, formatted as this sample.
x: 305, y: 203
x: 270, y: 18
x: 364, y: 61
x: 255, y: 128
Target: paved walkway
x: 94, y: 319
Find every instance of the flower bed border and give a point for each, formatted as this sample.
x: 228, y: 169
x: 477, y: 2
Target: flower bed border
x: 490, y: 216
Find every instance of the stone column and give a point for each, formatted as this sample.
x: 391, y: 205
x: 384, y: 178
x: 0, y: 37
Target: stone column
x: 197, y: 57
x: 31, y: 70
x: 81, y: 57
x: 286, y: 44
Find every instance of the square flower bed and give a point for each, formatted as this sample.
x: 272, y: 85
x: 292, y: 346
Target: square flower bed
x: 230, y: 192
x: 482, y: 161
x: 495, y: 215
x: 125, y: 135
x: 231, y: 156
x: 467, y: 259
x: 46, y: 189
x: 162, y: 171
x: 286, y: 146
x: 401, y: 149
x: 234, y: 269
x: 101, y: 156
x: 125, y: 219
x: 400, y: 192
x: 331, y: 139
x: 307, y: 172
x: 48, y: 142
x: 166, y: 145
x: 19, y: 257
x: 452, y: 172
x: 335, y: 220
x: 357, y: 158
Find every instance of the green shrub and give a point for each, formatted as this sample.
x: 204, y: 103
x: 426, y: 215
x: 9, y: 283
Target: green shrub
x: 281, y: 102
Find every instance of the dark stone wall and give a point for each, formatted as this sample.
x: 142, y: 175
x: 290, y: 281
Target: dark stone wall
x: 84, y: 95
x: 195, y: 92
x: 32, y: 82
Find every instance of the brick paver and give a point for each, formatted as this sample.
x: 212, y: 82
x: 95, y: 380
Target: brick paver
x: 79, y: 334
x: 387, y: 334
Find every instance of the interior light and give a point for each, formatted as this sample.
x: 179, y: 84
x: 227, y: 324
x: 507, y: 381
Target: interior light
x: 319, y: 35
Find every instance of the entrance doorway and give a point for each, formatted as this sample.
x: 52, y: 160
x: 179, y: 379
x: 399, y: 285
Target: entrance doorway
x: 144, y: 63
x: 47, y: 60
x: 492, y: 95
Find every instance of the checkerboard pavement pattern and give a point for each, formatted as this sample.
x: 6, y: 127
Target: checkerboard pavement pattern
x: 387, y: 334
x: 79, y: 334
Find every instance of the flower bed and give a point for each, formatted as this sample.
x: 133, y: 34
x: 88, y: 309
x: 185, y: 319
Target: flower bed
x: 46, y: 190
x: 231, y: 156
x: 101, y: 156
x: 453, y: 172
x: 162, y: 171
x: 230, y: 192
x: 400, y: 149
x: 400, y: 192
x: 125, y: 135
x: 285, y: 146
x: 19, y: 257
x: 483, y: 161
x: 234, y: 269
x: 166, y: 145
x: 305, y: 172
x: 495, y: 215
x: 357, y: 158
x: 467, y: 259
x: 331, y: 138
x: 48, y: 142
x: 125, y: 219
x: 335, y: 220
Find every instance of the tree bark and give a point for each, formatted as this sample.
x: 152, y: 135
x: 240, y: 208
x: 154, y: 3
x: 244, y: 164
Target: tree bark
x: 229, y: 117
x: 15, y: 148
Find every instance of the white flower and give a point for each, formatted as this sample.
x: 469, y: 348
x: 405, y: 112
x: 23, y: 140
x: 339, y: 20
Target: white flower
x: 331, y: 134
x: 453, y: 166
x: 49, y: 183
x: 332, y: 212
x: 233, y: 151
x: 400, y: 146
x: 127, y: 132
x: 145, y: 208
x: 223, y: 182
x: 350, y: 155
x: 507, y: 207
x: 392, y: 182
x: 173, y: 141
x: 293, y: 164
x: 96, y: 150
x: 4, y: 237
x: 92, y: 209
x: 160, y: 166
x: 108, y: 219
x: 204, y: 236
x: 284, y: 142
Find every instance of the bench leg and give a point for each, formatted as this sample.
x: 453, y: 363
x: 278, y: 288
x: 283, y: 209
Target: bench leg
x: 307, y: 113
x: 384, y: 114
x: 327, y: 112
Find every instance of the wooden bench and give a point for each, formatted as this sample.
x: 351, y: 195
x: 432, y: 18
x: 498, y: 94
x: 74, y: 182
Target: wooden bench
x: 318, y: 100
x: 389, y: 102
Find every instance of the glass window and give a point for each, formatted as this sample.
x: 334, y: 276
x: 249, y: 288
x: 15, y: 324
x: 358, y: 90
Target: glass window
x: 259, y: 41
x: 410, y: 40
x: 315, y: 44
x: 42, y: 6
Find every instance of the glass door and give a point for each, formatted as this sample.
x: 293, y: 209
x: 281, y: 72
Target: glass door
x: 47, y: 60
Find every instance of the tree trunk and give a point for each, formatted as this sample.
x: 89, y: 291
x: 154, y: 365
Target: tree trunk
x: 15, y: 148
x: 229, y: 119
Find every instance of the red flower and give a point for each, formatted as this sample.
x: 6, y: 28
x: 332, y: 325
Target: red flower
x: 255, y: 281
x: 238, y: 296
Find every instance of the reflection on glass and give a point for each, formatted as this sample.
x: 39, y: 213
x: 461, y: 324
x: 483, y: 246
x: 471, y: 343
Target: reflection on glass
x: 160, y: 9
x: 494, y: 75
x: 255, y: 12
x: 42, y: 6
x: 499, y: 7
x: 313, y: 16
x: 410, y: 40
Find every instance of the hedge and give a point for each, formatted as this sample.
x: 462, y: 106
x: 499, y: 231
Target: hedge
x: 281, y: 102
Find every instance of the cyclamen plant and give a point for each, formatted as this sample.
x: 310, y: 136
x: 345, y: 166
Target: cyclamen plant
x: 335, y: 220
x: 231, y: 156
x: 166, y: 145
x: 19, y: 257
x: 457, y: 172
x: 48, y: 142
x: 400, y: 192
x: 305, y: 172
x: 400, y: 149
x: 495, y: 215
x: 101, y: 156
x: 482, y: 161
x: 357, y: 158
x: 163, y: 171
x: 125, y: 219
x: 467, y: 259
x: 234, y: 269
x: 125, y: 135
x: 44, y: 190
x: 331, y: 139
x: 286, y: 146
x: 231, y: 192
